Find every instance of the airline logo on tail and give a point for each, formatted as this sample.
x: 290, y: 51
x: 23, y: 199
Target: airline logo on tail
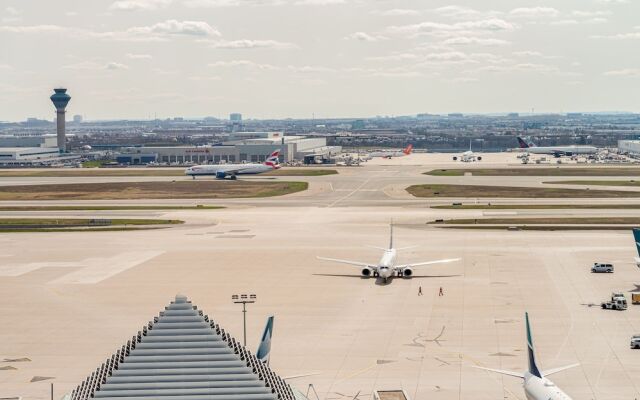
x: 272, y: 160
x: 408, y: 150
x: 636, y: 237
x: 533, y: 367
x: 522, y: 143
x: 264, y: 349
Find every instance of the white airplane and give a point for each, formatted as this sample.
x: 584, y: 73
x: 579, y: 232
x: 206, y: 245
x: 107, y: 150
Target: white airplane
x: 556, y: 151
x: 221, y: 171
x: 636, y: 238
x: 392, y: 154
x: 536, y: 385
x: 386, y: 268
x: 468, y: 156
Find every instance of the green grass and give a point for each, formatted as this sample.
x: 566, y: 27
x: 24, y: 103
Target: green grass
x: 537, y: 206
x: 95, y: 164
x: 184, y: 189
x: 544, y: 221
x: 85, y: 221
x: 631, y: 183
x: 539, y: 171
x: 541, y: 227
x: 112, y: 229
x: 105, y: 208
x: 302, y: 171
x: 460, y: 191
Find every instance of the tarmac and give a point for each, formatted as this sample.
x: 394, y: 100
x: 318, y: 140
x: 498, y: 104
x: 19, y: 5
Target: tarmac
x: 71, y: 299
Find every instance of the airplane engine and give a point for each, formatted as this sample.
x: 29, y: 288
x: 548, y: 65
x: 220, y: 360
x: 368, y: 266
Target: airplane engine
x: 407, y: 272
x: 479, y: 158
x: 455, y: 158
x: 367, y: 271
x: 220, y: 175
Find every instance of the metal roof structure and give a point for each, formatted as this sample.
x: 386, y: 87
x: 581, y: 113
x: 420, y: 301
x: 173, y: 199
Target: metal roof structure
x: 183, y: 355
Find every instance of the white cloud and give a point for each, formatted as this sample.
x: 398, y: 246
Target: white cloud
x: 534, y: 12
x: 612, y: 1
x: 365, y: 37
x: 250, y: 44
x: 12, y: 11
x: 585, y: 14
x: 175, y: 27
x: 466, y: 40
x: 137, y: 5
x: 318, y: 2
x: 443, y: 29
x: 618, y: 36
x: 624, y: 72
x: 139, y: 56
x: 34, y: 29
x: 243, y: 64
x: 527, y: 53
x: 395, y: 12
x: 565, y: 22
x: 115, y: 65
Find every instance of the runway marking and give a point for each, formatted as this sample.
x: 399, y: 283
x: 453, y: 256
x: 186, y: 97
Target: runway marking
x: 90, y: 270
x: 351, y: 193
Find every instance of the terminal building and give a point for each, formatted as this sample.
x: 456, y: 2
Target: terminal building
x: 238, y: 147
x: 183, y: 354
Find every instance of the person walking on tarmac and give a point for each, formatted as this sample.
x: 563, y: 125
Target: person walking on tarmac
x: 441, y: 293
x: 419, y: 290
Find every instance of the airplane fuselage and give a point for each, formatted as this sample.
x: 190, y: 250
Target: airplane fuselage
x: 386, y: 264
x: 568, y: 150
x: 239, y: 169
x: 542, y: 389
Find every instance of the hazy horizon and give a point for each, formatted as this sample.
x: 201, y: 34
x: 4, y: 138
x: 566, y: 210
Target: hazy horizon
x: 277, y: 59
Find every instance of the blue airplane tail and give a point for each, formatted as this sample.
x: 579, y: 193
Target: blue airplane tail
x: 636, y: 237
x: 533, y: 367
x: 264, y: 348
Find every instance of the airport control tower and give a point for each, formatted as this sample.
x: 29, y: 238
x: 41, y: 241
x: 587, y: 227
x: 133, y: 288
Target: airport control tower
x: 60, y: 100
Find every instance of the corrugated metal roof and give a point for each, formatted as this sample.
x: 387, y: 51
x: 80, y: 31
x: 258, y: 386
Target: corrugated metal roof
x: 183, y: 355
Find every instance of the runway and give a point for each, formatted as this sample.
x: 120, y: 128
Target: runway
x: 71, y: 299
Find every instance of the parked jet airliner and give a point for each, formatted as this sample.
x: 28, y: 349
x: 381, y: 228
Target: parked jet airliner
x: 536, y: 385
x: 557, y: 151
x: 392, y: 153
x: 222, y: 171
x: 386, y: 268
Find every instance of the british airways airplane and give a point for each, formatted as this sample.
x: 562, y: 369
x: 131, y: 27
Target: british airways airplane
x: 222, y: 171
x: 535, y: 382
x: 557, y: 151
x: 386, y: 268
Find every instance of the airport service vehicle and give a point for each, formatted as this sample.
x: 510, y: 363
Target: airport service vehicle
x: 222, y: 171
x: 535, y: 382
x: 635, y: 298
x: 386, y: 268
x: 468, y: 156
x: 636, y: 237
x: 393, y: 153
x: 617, y: 302
x: 635, y: 342
x: 601, y: 267
x: 556, y: 151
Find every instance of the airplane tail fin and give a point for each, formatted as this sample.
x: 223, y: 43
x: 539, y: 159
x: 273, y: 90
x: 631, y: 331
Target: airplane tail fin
x: 636, y: 237
x: 533, y: 367
x: 523, y: 144
x: 273, y: 160
x: 408, y: 150
x: 391, y: 235
x: 264, y: 349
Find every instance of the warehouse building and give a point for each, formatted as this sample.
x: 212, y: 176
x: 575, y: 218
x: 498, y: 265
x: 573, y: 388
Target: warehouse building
x: 29, y: 155
x: 629, y: 146
x: 240, y: 147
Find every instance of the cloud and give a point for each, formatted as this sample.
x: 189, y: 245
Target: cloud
x: 139, y: 56
x: 395, y: 12
x: 465, y: 40
x: 585, y: 14
x: 175, y: 27
x: 34, y: 29
x: 12, y: 11
x: 137, y: 5
x: 444, y: 29
x: 115, y: 65
x: 250, y: 44
x: 318, y: 2
x: 624, y: 72
x: 618, y: 36
x: 534, y: 12
x: 365, y: 37
x: 243, y: 64
x: 612, y: 1
x: 565, y: 22
x: 527, y: 53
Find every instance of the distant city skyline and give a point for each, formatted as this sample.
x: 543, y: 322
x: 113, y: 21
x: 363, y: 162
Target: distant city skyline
x: 272, y: 59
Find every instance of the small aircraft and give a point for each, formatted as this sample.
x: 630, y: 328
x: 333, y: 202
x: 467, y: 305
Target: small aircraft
x: 536, y: 385
x: 222, y: 171
x: 386, y: 268
x: 556, y: 151
x: 391, y: 154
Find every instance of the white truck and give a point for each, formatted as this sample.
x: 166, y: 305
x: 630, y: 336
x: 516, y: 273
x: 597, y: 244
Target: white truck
x: 617, y: 302
x: 635, y: 342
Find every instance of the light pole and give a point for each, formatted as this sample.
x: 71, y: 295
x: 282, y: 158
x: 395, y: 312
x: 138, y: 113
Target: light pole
x: 244, y: 299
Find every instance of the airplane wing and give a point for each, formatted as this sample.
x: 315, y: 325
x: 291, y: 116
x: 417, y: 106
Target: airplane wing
x: 300, y: 376
x: 427, y: 263
x: 555, y: 370
x: 356, y: 263
x: 501, y: 371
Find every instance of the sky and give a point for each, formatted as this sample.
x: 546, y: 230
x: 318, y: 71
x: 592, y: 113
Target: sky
x: 324, y: 58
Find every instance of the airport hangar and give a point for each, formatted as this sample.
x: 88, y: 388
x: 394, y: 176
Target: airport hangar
x: 240, y: 147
